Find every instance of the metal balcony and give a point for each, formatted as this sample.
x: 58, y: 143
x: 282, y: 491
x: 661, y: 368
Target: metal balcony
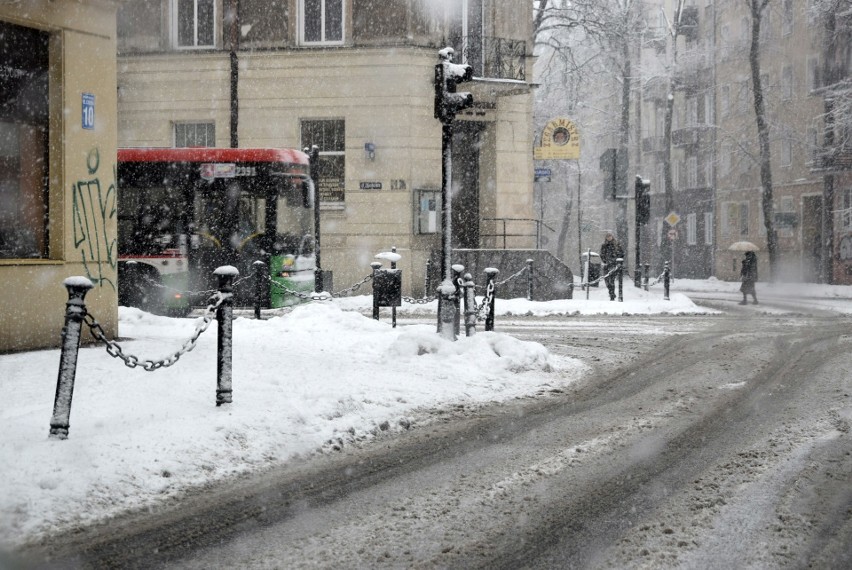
x: 492, y: 58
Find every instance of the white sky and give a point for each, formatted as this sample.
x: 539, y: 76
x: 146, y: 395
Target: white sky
x: 322, y: 372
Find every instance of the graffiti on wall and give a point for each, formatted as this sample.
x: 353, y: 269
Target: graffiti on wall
x: 94, y: 205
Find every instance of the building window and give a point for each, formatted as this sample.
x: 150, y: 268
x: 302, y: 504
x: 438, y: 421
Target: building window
x: 194, y: 23
x: 329, y: 135
x: 195, y: 134
x: 813, y: 73
x: 786, y: 152
x: 322, y: 21
x: 787, y: 18
x: 846, y: 212
x: 692, y: 172
x: 742, y: 97
x: 24, y: 128
x: 691, y: 229
x: 787, y: 83
x: 725, y: 100
x: 735, y: 219
x: 708, y: 228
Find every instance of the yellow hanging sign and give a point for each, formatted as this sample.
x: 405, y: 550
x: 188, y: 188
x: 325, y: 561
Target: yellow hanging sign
x: 560, y: 140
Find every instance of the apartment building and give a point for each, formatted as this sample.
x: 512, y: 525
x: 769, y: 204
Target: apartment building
x: 354, y: 77
x: 57, y: 164
x: 715, y: 158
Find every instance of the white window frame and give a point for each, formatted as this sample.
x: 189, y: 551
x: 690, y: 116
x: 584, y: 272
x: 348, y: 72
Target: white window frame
x: 692, y: 172
x: 196, y: 124
x: 323, y: 41
x: 691, y: 228
x: 708, y: 228
x: 175, y: 25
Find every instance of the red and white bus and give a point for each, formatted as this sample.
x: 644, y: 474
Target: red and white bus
x: 182, y: 212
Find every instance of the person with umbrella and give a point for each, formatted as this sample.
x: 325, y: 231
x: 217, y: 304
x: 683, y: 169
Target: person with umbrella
x: 748, y: 275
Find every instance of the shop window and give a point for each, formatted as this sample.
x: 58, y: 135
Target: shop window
x: 195, y: 134
x: 194, y: 23
x: 321, y: 21
x: 330, y: 136
x: 24, y: 128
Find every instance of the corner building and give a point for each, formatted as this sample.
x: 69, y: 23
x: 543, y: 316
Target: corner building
x: 354, y: 77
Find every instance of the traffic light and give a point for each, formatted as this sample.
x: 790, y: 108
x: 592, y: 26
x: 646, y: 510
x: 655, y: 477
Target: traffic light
x: 643, y: 200
x: 447, y: 76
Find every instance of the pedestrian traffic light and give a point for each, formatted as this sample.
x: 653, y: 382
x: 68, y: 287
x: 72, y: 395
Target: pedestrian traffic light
x: 643, y: 200
x: 447, y: 76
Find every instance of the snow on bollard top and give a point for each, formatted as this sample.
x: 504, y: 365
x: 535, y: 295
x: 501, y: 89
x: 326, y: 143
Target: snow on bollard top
x: 447, y: 288
x: 457, y: 267
x: 226, y: 270
x: 78, y: 281
x: 492, y: 270
x: 389, y: 256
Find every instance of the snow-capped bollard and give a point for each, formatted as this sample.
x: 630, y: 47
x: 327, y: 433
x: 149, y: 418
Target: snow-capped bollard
x: 376, y: 265
x: 259, y: 286
x: 75, y: 310
x: 457, y: 281
x: 225, y: 337
x: 666, y: 281
x: 446, y: 310
x: 620, y: 272
x: 469, y: 305
x: 529, y: 280
x: 490, y: 274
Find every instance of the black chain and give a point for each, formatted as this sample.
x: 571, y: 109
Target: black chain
x: 131, y: 361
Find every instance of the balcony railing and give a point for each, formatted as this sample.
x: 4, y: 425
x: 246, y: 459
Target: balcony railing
x: 492, y: 58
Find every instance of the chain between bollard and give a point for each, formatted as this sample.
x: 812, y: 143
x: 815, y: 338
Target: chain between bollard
x: 325, y: 296
x: 131, y: 361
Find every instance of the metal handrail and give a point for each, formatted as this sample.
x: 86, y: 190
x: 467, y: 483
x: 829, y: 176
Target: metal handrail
x: 504, y: 235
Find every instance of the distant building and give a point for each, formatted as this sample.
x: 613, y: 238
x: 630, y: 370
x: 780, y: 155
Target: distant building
x: 355, y: 78
x: 57, y: 165
x: 715, y: 156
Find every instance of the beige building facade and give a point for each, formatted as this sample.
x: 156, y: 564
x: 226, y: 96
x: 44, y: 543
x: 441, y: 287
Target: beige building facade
x: 354, y: 78
x: 57, y: 186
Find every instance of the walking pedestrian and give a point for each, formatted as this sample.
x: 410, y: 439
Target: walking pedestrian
x: 748, y: 275
x: 611, y: 251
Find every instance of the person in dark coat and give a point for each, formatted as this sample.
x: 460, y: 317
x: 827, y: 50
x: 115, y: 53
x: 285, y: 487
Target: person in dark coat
x: 611, y: 250
x: 748, y: 275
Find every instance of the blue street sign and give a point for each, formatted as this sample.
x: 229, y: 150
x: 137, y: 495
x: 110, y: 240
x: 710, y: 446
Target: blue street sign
x: 88, y: 111
x: 542, y: 174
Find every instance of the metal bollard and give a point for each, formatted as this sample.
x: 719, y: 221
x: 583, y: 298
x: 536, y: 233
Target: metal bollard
x: 469, y: 305
x: 376, y: 265
x: 393, y: 309
x: 427, y: 287
x: 446, y: 310
x: 666, y: 281
x: 259, y: 270
x: 647, y: 274
x: 490, y: 274
x: 620, y: 273
x: 225, y: 337
x: 75, y: 310
x: 457, y: 281
x: 588, y: 270
x: 529, y: 280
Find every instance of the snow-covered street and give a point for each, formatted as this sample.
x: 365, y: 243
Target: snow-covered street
x: 325, y: 378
